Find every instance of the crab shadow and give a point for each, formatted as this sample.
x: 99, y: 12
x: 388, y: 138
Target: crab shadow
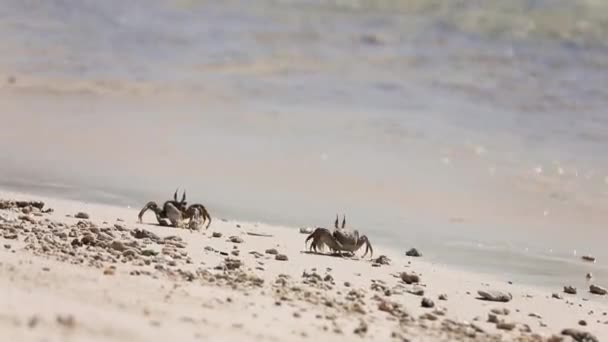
x: 334, y: 255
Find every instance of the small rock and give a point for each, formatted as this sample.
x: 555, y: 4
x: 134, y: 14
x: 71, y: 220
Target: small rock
x: 505, y: 326
x: 281, y: 257
x: 417, y: 291
x: 129, y: 253
x: 492, y: 318
x: 570, y: 289
x: 142, y: 234
x: 598, y: 290
x: 382, y: 260
x: 361, y: 330
x: 88, y: 239
x: 588, y: 258
x: 109, y: 271
x: 556, y: 296
x: 7, y: 246
x: 580, y: 336
x: 427, y: 303
x: 33, y: 321
x: 413, y: 253
x: 272, y: 251
x: 443, y: 296
x: 148, y: 252
x: 82, y: 215
x: 346, y: 284
x: 589, y: 275
x: 10, y: 236
x: 495, y: 296
x: 232, y: 264
x: 582, y: 322
x: 67, y: 321
x: 410, y: 278
x: 235, y: 239
x: 502, y: 312
x: 118, y: 246
x: 306, y: 230
x: 535, y: 315
x: 216, y: 234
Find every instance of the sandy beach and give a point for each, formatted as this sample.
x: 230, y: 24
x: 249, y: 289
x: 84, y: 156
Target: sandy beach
x: 110, y: 278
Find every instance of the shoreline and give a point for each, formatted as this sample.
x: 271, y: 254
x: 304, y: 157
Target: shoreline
x: 248, y: 292
x: 468, y: 255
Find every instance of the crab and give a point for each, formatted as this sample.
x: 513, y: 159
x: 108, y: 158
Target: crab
x: 174, y: 212
x: 341, y: 240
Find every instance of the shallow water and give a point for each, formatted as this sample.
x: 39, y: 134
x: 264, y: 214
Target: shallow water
x: 448, y: 125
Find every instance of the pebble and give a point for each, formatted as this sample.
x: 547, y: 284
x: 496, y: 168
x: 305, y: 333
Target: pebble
x: 410, y: 278
x: 118, y: 246
x: 67, y: 321
x: 88, y: 239
x: 216, y: 234
x: 236, y: 239
x: 502, y: 312
x: 382, y: 260
x: 495, y: 296
x: 588, y: 258
x: 427, y: 303
x: 570, y: 289
x: 413, y: 253
x: 109, y: 271
x: 443, y: 296
x: 281, y: 257
x: 556, y: 296
x: 598, y: 290
x: 272, y: 251
x: 361, y: 330
x: 582, y: 322
x: 129, y: 253
x: 492, y: 318
x: 82, y: 215
x: 580, y: 336
x: 417, y: 291
x: 505, y: 326
x: 33, y: 321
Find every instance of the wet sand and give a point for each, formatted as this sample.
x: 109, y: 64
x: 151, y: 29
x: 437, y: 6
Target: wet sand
x: 110, y: 278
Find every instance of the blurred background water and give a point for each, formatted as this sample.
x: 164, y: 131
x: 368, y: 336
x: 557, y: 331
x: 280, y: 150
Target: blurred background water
x: 475, y: 130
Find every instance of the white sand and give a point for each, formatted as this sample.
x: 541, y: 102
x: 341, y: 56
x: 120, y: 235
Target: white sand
x: 37, y: 289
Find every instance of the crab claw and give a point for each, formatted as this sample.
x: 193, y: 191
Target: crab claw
x: 368, y: 246
x: 150, y: 205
